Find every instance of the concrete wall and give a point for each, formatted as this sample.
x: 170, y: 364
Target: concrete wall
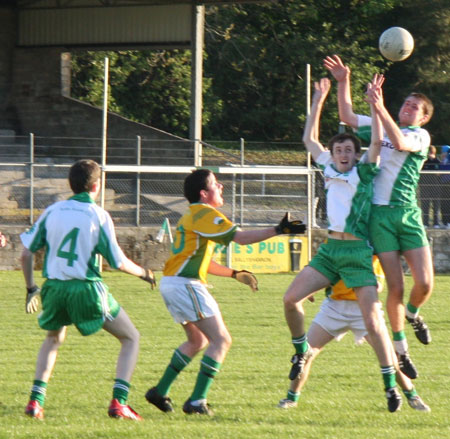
x: 41, y: 108
x: 34, y: 98
x: 139, y: 244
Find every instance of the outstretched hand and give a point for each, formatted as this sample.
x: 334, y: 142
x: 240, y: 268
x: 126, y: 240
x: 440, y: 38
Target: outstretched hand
x: 288, y: 227
x: 149, y: 277
x: 247, y: 278
x: 374, y: 92
x: 336, y: 67
x: 321, y: 89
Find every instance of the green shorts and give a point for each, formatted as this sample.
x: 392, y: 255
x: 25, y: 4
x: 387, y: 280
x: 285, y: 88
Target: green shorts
x: 350, y: 261
x: 86, y: 304
x: 396, y: 229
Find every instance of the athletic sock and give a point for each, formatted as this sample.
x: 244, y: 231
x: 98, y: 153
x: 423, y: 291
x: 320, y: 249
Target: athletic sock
x: 209, y: 368
x: 293, y: 396
x: 411, y: 311
x: 300, y: 344
x: 400, y: 343
x: 388, y: 374
x: 120, y: 390
x: 410, y: 393
x: 38, y: 392
x: 177, y: 363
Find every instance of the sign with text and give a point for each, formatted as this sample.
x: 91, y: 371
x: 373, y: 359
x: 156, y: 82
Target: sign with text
x: 282, y: 253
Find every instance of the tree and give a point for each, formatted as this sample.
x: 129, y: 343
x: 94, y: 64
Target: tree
x: 428, y: 69
x: 255, y: 63
x: 257, y: 56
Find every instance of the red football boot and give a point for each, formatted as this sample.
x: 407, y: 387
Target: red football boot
x: 34, y: 410
x: 118, y: 410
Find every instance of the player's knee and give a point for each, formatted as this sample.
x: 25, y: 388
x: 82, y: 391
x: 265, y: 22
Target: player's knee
x: 395, y: 293
x: 56, y: 339
x: 425, y: 286
x: 136, y: 336
x: 132, y: 336
x: 197, y: 344
x: 291, y: 303
x: 225, y: 342
x: 373, y: 325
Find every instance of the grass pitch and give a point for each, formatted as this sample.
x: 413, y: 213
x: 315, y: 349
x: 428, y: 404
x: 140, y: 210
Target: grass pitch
x: 344, y: 397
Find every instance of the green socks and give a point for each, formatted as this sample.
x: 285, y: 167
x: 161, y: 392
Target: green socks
x: 293, y: 396
x: 120, y: 390
x: 178, y: 362
x: 388, y: 374
x: 209, y: 368
x: 38, y: 392
x: 411, y: 311
x: 300, y: 344
x: 400, y: 343
x: 410, y: 393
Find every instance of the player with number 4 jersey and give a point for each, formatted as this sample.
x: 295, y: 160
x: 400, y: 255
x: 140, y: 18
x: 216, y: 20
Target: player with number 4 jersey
x: 74, y: 233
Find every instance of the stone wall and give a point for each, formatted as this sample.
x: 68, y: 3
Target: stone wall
x: 139, y: 244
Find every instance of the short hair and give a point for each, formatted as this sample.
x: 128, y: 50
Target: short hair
x: 342, y: 137
x: 83, y: 174
x: 428, y: 107
x: 194, y: 183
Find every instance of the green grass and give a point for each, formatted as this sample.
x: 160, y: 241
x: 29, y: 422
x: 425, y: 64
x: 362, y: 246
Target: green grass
x: 343, y: 398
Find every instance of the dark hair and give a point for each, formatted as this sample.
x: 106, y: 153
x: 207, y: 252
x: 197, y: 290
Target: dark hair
x: 427, y: 105
x: 342, y: 137
x: 194, y: 183
x: 83, y: 174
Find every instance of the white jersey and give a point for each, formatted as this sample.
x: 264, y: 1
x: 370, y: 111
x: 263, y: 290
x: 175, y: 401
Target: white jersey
x: 73, y: 233
x: 348, y: 195
x: 397, y: 181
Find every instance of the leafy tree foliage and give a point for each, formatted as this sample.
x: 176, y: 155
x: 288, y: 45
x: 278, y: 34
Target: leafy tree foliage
x: 428, y: 69
x: 255, y: 82
x: 151, y: 87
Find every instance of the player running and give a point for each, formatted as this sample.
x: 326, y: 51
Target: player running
x: 73, y: 232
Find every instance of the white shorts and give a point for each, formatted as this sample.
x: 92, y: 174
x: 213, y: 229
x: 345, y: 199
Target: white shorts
x: 187, y: 300
x: 337, y: 317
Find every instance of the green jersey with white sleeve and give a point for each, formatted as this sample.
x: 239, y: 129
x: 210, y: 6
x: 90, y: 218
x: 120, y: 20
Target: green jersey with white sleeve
x: 397, y: 181
x: 348, y: 195
x: 74, y: 232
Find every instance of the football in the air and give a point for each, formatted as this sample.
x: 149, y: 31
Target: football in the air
x: 396, y: 44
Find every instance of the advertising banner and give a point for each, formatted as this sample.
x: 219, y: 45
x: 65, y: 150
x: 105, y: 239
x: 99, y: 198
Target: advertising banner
x: 280, y: 254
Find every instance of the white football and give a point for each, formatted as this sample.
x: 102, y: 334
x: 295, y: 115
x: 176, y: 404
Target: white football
x: 396, y: 44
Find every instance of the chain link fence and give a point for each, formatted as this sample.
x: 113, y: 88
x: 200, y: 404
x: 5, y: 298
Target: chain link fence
x: 33, y: 175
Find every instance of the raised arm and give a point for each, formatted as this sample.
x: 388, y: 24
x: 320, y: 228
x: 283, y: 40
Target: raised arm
x: 341, y: 73
x: 390, y: 126
x: 311, y: 132
x: 374, y: 96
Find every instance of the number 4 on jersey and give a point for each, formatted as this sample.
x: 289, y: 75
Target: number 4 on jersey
x: 69, y: 243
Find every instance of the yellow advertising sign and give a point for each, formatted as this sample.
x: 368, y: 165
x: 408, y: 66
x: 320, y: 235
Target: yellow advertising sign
x: 282, y: 253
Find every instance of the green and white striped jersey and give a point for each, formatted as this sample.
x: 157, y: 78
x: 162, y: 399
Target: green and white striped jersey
x: 397, y: 181
x: 348, y: 195
x: 74, y: 232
